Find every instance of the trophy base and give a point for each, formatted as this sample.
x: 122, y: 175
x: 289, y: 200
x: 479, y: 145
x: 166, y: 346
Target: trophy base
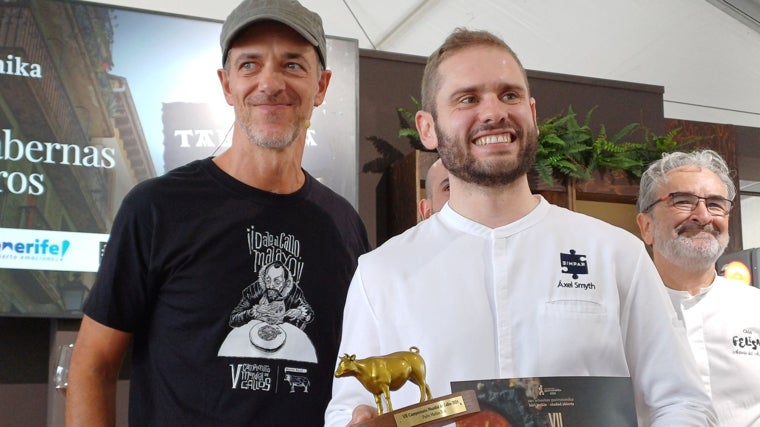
x: 430, y: 413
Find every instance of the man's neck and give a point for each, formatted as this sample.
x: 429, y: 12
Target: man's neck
x: 492, y: 206
x: 683, y: 279
x: 273, y: 170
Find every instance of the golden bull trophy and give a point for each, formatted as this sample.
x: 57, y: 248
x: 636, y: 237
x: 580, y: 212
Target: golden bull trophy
x: 382, y: 374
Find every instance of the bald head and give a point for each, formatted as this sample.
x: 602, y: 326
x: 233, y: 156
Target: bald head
x: 436, y: 189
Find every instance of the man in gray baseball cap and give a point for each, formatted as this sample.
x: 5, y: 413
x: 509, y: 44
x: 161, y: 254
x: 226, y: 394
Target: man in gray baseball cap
x: 289, y: 12
x: 206, y: 351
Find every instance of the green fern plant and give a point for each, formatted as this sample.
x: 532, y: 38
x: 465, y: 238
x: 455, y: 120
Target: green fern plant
x: 564, y: 147
x: 570, y: 149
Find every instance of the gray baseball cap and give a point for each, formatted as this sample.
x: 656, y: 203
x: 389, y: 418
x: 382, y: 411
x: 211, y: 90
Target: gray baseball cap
x: 289, y: 12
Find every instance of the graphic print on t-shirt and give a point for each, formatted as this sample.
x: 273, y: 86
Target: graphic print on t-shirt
x: 270, y: 319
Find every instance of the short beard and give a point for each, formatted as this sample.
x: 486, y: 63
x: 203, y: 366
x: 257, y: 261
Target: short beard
x: 253, y: 133
x: 490, y: 173
x: 690, y: 253
x: 281, y: 140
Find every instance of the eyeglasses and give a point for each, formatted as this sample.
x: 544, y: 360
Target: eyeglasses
x: 687, y: 202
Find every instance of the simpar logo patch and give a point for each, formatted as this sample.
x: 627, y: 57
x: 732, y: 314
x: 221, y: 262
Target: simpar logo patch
x: 573, y: 263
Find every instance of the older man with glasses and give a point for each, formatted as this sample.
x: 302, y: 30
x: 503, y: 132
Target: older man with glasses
x: 684, y: 205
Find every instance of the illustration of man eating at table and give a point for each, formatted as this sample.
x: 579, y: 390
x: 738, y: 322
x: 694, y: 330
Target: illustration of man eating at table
x: 274, y: 298
x: 272, y: 311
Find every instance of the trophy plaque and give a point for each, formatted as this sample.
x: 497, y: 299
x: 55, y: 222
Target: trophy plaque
x: 382, y: 374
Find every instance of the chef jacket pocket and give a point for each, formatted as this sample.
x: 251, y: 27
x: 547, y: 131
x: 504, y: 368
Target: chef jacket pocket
x: 583, y: 331
x: 574, y: 308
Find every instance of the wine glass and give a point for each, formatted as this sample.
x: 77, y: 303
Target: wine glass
x: 61, y: 377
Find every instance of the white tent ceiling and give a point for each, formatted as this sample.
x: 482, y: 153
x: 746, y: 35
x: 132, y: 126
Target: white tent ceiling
x: 707, y: 60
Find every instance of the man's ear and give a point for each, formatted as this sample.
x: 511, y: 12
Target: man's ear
x: 426, y: 128
x: 324, y: 81
x: 425, y: 208
x: 645, y: 223
x: 224, y: 80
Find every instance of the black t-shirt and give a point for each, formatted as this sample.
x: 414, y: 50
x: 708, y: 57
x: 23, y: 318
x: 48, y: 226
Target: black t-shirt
x: 234, y: 297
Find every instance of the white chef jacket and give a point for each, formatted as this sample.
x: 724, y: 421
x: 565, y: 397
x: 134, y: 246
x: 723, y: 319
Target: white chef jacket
x: 723, y: 327
x: 556, y: 293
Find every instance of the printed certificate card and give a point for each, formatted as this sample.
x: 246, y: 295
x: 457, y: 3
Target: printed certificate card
x: 551, y: 402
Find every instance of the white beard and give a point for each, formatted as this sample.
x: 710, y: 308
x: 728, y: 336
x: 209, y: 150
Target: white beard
x: 692, y: 253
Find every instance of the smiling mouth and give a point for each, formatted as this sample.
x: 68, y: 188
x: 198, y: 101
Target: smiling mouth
x: 494, y: 139
x: 698, y: 233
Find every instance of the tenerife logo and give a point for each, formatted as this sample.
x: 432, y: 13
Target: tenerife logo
x: 15, y: 66
x: 573, y: 264
x: 38, y: 250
